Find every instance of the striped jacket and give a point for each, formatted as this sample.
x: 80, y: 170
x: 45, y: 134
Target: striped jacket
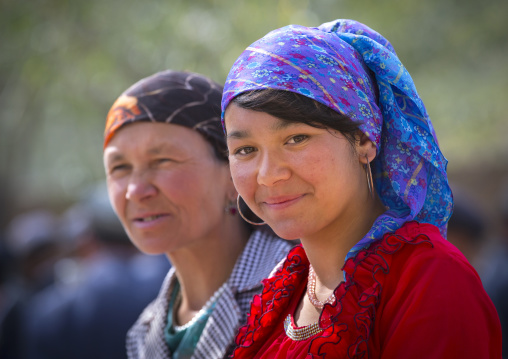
x: 145, y: 340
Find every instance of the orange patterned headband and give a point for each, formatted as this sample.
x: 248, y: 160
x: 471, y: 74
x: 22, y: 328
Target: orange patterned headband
x: 175, y: 97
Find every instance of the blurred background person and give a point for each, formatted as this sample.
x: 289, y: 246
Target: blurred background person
x: 7, y: 301
x: 30, y: 249
x: 168, y: 179
x: 32, y: 238
x: 469, y: 230
x: 495, y: 268
x: 101, y: 286
x: 467, y: 226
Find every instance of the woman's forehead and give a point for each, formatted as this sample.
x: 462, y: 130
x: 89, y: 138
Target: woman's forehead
x: 240, y: 121
x: 154, y: 138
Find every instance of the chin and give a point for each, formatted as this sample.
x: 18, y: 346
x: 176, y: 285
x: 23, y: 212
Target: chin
x: 150, y: 250
x: 149, y: 245
x: 288, y: 231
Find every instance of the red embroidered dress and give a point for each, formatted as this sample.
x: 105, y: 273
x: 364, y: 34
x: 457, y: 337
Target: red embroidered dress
x: 410, y: 295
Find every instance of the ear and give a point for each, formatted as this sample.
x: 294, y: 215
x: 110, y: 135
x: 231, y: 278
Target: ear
x: 366, y: 149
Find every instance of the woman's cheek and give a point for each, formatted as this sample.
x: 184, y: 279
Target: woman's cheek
x: 243, y: 178
x: 117, y: 193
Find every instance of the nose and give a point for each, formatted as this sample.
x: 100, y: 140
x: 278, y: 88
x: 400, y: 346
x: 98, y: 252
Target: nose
x: 272, y: 170
x: 140, y: 187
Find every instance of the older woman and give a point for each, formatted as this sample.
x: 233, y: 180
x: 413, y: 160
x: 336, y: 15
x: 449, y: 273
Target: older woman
x: 169, y: 183
x: 330, y: 143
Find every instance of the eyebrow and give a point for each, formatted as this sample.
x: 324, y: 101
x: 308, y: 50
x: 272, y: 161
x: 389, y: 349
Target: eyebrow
x: 152, y: 151
x: 283, y: 124
x: 114, y: 158
x: 238, y: 134
x: 160, y: 148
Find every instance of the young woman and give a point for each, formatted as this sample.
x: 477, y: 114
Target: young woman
x: 329, y: 142
x: 169, y: 182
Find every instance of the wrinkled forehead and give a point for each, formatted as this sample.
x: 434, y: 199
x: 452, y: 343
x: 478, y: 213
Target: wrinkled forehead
x: 145, y: 141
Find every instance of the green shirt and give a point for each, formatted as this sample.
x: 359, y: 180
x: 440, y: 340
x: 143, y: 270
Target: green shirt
x: 183, y: 343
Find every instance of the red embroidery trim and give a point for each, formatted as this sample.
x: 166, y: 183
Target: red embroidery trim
x: 343, y: 330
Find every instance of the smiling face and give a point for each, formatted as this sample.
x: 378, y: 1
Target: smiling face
x: 303, y: 181
x: 166, y: 186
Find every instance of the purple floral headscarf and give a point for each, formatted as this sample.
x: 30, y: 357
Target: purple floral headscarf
x: 354, y: 70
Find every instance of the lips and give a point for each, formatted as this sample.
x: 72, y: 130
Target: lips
x: 280, y: 202
x: 148, y: 218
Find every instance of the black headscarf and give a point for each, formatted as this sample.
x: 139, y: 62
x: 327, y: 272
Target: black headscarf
x: 176, y: 97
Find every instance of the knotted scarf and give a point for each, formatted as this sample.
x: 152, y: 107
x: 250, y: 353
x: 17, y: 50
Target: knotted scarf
x: 180, y: 98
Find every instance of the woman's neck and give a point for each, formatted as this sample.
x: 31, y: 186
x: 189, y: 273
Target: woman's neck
x: 327, y: 249
x: 202, y: 270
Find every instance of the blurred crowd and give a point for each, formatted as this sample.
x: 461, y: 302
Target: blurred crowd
x: 72, y: 284
x: 483, y: 239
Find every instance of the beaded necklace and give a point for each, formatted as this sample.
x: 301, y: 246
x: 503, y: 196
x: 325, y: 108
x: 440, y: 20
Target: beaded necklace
x: 299, y: 334
x: 308, y: 331
x: 311, y: 291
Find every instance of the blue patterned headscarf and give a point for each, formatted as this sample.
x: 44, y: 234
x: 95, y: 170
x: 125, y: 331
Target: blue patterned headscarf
x: 354, y: 70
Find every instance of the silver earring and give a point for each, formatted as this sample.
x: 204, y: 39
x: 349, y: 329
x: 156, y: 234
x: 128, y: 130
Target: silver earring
x: 241, y: 214
x: 369, y: 177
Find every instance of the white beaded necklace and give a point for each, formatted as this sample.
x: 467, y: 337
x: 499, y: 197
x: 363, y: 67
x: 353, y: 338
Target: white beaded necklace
x: 311, y: 291
x: 202, y: 311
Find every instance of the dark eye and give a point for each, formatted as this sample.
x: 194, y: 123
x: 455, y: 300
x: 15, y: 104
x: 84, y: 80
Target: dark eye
x: 118, y: 168
x: 243, y: 151
x: 297, y: 139
x: 164, y: 160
